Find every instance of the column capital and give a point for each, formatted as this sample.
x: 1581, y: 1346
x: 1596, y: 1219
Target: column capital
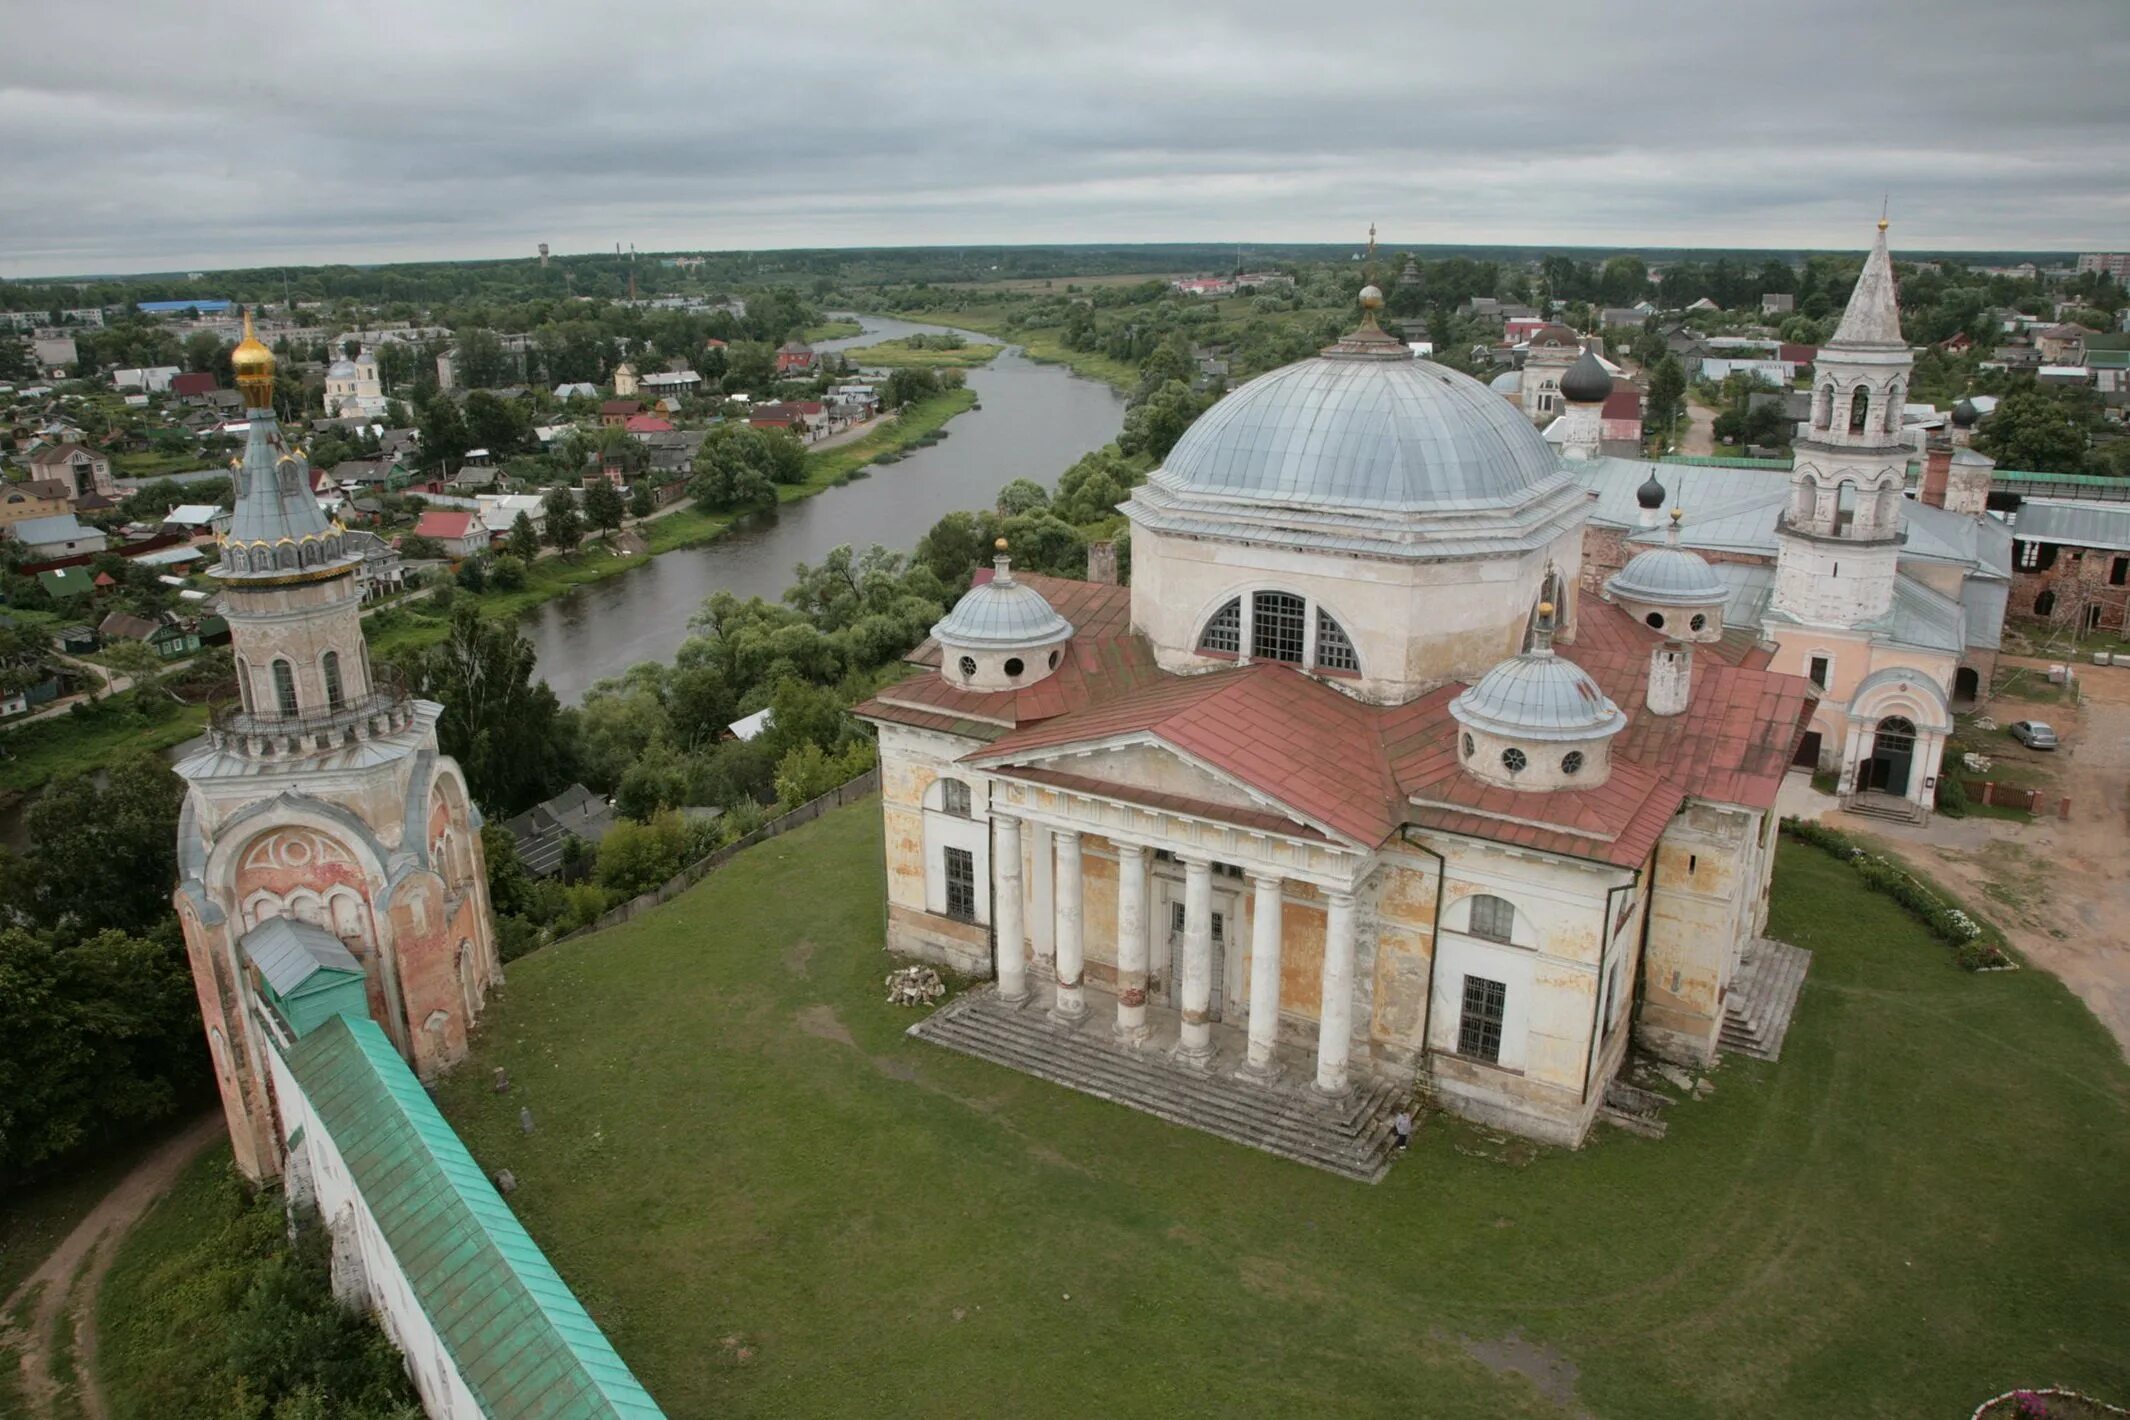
x: 1275, y: 881
x: 1125, y: 845
x: 1066, y: 835
x: 1202, y: 862
x: 1339, y: 897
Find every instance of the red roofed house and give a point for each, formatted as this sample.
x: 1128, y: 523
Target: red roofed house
x: 1620, y: 420
x: 460, y: 533
x: 806, y: 418
x: 647, y: 424
x: 194, y: 387
x: 1318, y: 807
x: 794, y: 357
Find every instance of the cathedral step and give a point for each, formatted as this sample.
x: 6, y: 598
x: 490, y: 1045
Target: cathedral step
x: 1763, y: 997
x: 1883, y: 806
x: 1351, y: 1136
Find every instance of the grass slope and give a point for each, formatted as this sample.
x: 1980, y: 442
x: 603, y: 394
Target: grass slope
x: 78, y: 744
x: 1041, y: 343
x: 1921, y: 1205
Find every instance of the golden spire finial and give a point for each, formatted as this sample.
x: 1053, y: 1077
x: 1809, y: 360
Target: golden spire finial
x: 1884, y: 199
x: 253, y: 364
x: 1371, y: 241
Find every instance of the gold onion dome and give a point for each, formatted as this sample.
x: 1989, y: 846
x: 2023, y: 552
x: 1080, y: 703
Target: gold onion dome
x: 253, y: 365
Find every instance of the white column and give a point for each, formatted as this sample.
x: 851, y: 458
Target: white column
x: 1042, y: 861
x: 1131, y: 943
x: 1012, y: 950
x: 1069, y: 1004
x: 1196, y: 1045
x: 1264, y: 973
x: 1335, y: 1012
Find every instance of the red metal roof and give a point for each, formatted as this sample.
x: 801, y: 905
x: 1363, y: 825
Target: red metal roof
x: 1362, y: 770
x: 647, y: 424
x: 1623, y: 403
x: 196, y: 382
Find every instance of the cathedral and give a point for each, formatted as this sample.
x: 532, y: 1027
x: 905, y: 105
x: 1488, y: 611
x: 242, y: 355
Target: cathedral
x: 1354, y: 786
x: 329, y: 858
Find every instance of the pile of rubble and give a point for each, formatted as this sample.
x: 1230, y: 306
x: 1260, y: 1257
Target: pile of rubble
x: 1979, y: 763
x: 914, y: 986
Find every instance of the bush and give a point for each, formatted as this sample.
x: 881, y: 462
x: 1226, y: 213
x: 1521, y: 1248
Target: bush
x: 1972, y: 946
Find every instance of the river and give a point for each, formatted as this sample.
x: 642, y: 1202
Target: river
x: 1034, y: 421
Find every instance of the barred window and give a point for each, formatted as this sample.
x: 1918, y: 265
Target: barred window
x: 961, y: 884
x: 1334, y: 651
x: 1479, y: 1029
x: 285, y: 687
x: 333, y: 694
x: 1512, y: 759
x: 954, y: 797
x: 1224, y: 632
x: 1492, y: 918
x: 1276, y: 634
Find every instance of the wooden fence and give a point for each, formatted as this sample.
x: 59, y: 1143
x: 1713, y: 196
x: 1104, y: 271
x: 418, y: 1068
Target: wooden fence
x: 850, y: 793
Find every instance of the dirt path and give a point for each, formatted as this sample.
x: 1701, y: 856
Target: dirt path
x: 2058, y: 887
x: 72, y: 1276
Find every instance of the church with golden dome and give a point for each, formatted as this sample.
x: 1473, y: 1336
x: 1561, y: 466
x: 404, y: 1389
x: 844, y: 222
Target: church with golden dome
x: 1354, y: 790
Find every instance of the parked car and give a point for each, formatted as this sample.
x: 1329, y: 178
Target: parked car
x: 2034, y: 734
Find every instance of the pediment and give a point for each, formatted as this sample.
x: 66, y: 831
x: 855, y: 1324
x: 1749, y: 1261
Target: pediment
x: 1145, y: 766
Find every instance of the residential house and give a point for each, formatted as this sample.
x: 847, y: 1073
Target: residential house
x: 2062, y: 344
x: 641, y: 424
x: 1623, y: 318
x: 499, y: 511
x: 193, y: 386
x: 193, y: 520
x: 459, y: 532
x: 1775, y: 303
x: 616, y: 413
x: 576, y: 389
x: 149, y: 379
x: 66, y: 584
x: 169, y: 637
x: 37, y: 498
x: 1620, y: 422
x: 53, y: 349
x: 83, y: 469
x: 543, y: 832
x: 382, y: 572
x: 795, y: 357
x: 60, y: 535
x: 806, y: 418
x: 1215, y: 286
x: 678, y: 384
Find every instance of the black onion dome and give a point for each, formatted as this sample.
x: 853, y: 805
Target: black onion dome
x: 1964, y: 414
x: 1586, y: 381
x: 1651, y: 493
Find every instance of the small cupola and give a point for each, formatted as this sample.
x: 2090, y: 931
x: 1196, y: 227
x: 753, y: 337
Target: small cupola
x: 1001, y: 635
x: 1672, y: 590
x: 1964, y: 414
x: 1537, y: 722
x: 1650, y: 499
x: 1586, y: 381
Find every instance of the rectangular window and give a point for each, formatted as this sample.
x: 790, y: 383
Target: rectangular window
x: 1277, y: 632
x: 1176, y: 923
x: 2119, y: 571
x: 1493, y: 918
x: 1819, y: 671
x: 1479, y: 1030
x: 961, y: 884
x: 2029, y: 555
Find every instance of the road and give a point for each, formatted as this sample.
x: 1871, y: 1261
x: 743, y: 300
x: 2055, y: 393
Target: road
x: 70, y: 1278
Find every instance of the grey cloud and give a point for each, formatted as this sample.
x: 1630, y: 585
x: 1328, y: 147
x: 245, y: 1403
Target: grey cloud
x: 216, y: 134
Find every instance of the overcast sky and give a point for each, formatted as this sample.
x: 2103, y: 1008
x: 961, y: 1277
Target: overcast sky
x: 151, y: 137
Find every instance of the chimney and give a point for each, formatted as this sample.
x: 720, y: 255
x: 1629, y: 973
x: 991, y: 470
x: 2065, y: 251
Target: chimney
x: 1937, y: 464
x: 1671, y: 679
x: 1102, y: 563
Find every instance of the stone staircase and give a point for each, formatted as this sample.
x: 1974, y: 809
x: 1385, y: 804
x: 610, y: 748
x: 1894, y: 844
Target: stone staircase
x: 1756, y: 1013
x: 1351, y: 1137
x: 1884, y: 807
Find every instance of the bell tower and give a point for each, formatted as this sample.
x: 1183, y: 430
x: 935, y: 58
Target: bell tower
x: 1839, y: 540
x: 329, y: 855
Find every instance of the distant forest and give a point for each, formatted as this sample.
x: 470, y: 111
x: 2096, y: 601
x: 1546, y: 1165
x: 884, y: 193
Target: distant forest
x: 606, y: 275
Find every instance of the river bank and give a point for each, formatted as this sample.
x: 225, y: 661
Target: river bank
x: 1040, y: 345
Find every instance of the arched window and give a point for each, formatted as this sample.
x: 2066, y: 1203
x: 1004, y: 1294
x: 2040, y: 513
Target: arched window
x: 333, y: 696
x: 285, y: 687
x: 954, y: 797
x: 244, y: 683
x: 1492, y: 918
x: 1334, y: 649
x: 1844, y: 508
x: 1859, y: 409
x: 286, y: 557
x: 1223, y: 634
x: 2046, y: 602
x: 1892, y: 422
x: 1276, y: 627
x: 1823, y: 407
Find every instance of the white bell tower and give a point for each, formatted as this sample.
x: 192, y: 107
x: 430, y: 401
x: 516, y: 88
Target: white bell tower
x: 1839, y: 540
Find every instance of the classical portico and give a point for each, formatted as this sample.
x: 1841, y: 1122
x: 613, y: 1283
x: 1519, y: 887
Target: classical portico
x: 1128, y: 840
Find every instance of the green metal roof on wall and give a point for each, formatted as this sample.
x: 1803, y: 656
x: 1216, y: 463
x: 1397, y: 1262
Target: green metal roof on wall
x: 1723, y: 461
x: 518, y: 1335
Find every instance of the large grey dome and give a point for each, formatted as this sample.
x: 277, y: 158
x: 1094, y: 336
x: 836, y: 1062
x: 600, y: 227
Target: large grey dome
x: 1382, y: 435
x: 1538, y: 696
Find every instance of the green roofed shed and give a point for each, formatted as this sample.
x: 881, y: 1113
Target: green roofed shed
x: 516, y: 1333
x: 308, y: 974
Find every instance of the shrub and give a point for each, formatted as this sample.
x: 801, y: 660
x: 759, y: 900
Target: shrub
x: 1949, y: 924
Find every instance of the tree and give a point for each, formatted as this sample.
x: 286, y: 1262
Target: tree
x: 443, y: 433
x: 522, y: 542
x: 641, y: 503
x: 2037, y: 429
x: 957, y: 545
x: 482, y: 361
x: 80, y: 829
x: 636, y: 857
x: 603, y: 506
x: 502, y: 726
x: 1667, y: 397
x: 501, y: 426
x: 1023, y: 495
x: 202, y: 349
x: 1152, y: 427
x: 738, y: 467
x: 565, y: 529
x: 507, y: 573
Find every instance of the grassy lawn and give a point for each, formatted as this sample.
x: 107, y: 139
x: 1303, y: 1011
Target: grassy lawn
x: 898, y: 354
x: 550, y: 577
x: 77, y: 744
x: 832, y: 330
x: 737, y: 1147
